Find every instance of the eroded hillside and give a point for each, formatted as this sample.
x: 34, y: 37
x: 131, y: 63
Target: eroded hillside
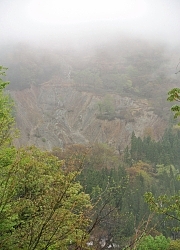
x: 56, y: 115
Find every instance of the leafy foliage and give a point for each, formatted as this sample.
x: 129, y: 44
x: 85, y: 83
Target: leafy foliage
x: 169, y: 206
x: 154, y: 243
x: 174, y: 95
x: 174, y: 245
x: 6, y: 119
x: 166, y: 205
x: 47, y: 207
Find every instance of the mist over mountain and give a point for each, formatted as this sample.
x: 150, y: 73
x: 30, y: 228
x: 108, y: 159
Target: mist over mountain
x: 81, y: 23
x: 89, y: 83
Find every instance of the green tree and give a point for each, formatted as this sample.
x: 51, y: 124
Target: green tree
x: 153, y: 243
x: 174, y: 245
x: 169, y: 206
x: 6, y: 119
x: 174, y: 95
x: 47, y: 209
x: 7, y: 153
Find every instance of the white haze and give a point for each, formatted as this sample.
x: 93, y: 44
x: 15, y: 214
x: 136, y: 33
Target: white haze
x: 84, y: 22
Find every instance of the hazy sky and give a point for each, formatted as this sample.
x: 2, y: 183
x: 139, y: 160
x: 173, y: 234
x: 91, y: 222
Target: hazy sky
x: 88, y: 20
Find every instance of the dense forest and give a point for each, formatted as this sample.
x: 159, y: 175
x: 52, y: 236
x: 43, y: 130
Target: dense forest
x: 90, y: 197
x: 117, y: 186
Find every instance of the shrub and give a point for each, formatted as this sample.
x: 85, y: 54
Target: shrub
x: 154, y: 243
x: 174, y: 245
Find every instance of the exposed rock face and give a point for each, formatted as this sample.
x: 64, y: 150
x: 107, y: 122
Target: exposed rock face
x: 55, y: 115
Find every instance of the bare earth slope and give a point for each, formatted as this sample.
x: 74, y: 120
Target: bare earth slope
x: 56, y: 115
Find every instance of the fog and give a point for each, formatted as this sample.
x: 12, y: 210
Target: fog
x: 80, y: 23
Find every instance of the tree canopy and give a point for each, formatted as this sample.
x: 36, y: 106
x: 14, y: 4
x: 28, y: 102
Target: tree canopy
x: 174, y: 95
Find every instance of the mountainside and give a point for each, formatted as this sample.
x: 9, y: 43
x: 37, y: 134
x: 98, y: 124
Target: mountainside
x: 101, y: 94
x: 56, y: 115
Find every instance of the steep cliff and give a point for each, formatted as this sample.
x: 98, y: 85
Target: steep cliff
x: 56, y: 115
